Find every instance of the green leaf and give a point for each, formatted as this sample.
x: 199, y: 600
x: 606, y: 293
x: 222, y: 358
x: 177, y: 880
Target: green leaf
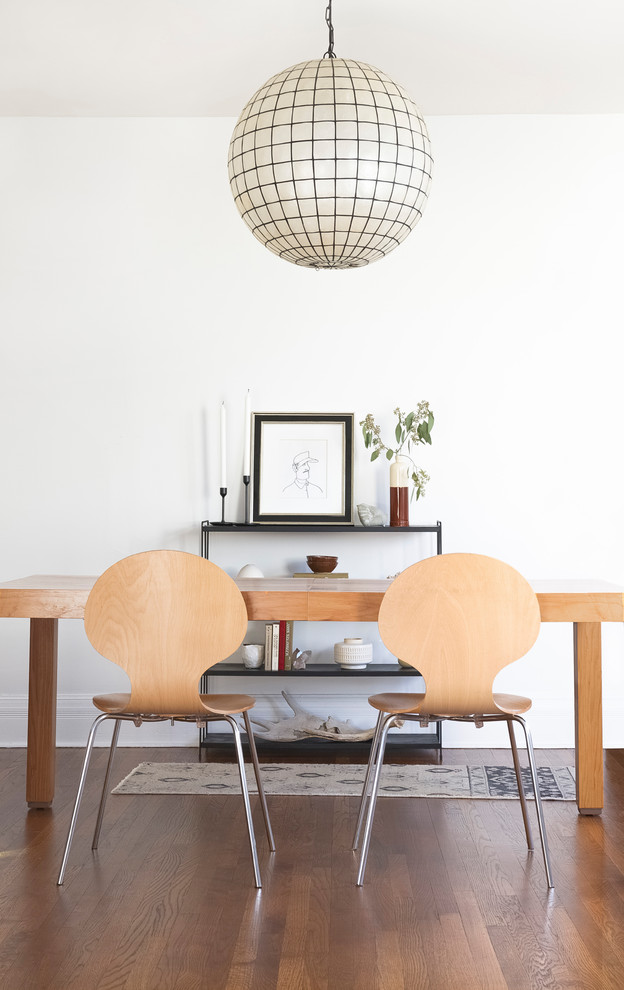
x: 374, y: 455
x: 423, y: 432
x: 409, y: 420
x: 431, y: 421
x: 398, y: 432
x: 389, y: 454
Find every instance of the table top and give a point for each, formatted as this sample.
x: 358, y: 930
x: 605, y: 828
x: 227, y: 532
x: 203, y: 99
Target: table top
x: 311, y: 599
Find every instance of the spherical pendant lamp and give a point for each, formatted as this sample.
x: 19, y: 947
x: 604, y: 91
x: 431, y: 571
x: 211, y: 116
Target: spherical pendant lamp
x: 330, y: 163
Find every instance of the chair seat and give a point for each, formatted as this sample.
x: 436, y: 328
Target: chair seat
x: 397, y: 704
x: 218, y: 704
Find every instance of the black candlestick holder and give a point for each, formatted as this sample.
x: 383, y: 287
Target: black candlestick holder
x: 222, y: 493
x: 246, y: 480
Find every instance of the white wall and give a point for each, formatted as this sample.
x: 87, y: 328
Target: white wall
x: 133, y: 300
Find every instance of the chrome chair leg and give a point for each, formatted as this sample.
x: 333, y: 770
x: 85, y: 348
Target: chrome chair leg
x: 105, y: 786
x: 83, y: 777
x: 522, y: 795
x: 369, y: 773
x: 538, y: 801
x: 383, y: 736
x: 261, y: 794
x: 243, y: 779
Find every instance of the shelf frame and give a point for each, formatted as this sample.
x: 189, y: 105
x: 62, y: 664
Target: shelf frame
x: 227, y: 669
x: 208, y: 528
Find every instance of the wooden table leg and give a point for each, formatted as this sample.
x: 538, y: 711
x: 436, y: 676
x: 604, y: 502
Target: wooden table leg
x: 41, y: 754
x: 588, y: 717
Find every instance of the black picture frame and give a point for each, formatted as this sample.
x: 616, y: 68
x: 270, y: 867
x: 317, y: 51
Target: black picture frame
x: 303, y: 468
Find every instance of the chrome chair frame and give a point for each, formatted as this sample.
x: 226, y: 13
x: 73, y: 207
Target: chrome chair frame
x: 201, y: 721
x: 368, y: 801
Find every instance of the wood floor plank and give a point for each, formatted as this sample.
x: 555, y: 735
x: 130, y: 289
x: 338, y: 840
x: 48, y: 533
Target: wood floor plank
x: 451, y: 895
x: 478, y: 940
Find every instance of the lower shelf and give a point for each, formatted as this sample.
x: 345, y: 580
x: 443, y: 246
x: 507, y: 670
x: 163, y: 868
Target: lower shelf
x: 226, y: 669
x: 420, y: 740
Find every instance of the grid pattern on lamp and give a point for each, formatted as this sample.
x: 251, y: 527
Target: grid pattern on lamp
x: 330, y: 164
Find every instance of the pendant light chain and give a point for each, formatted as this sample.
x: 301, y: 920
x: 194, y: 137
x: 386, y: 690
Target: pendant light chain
x: 328, y: 20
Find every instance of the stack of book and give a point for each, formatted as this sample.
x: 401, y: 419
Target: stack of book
x: 278, y: 645
x: 327, y: 574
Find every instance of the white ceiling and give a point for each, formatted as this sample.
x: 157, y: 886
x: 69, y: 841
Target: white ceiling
x: 206, y: 58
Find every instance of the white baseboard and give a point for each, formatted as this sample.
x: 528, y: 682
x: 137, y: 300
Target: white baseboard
x: 75, y: 714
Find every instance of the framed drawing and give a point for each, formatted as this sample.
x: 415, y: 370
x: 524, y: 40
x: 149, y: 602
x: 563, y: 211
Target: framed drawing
x: 303, y: 468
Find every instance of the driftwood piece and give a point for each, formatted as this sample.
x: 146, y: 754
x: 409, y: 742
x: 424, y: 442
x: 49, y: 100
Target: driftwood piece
x: 304, y: 724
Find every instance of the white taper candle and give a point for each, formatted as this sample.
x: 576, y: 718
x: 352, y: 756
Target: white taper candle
x: 247, y: 440
x: 223, y: 483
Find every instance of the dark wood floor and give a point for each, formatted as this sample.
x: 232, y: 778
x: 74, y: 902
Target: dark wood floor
x: 452, y: 900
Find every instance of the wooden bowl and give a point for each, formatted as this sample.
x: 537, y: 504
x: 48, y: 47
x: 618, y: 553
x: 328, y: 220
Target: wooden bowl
x: 322, y: 565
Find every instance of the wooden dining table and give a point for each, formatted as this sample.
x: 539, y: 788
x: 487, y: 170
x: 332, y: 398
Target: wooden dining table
x: 44, y: 599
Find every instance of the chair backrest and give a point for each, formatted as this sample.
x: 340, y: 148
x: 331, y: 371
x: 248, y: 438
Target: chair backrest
x: 165, y: 616
x: 459, y: 619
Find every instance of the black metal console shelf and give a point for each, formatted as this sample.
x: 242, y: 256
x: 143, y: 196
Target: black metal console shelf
x: 268, y: 528
x: 226, y: 669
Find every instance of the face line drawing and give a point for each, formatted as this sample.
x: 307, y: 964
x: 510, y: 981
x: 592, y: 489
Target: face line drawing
x: 301, y: 486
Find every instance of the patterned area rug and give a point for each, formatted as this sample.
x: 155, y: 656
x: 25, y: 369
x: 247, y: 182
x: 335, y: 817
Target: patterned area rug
x: 556, y: 783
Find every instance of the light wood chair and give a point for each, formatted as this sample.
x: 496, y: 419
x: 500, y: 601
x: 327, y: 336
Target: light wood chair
x: 458, y: 619
x: 165, y: 617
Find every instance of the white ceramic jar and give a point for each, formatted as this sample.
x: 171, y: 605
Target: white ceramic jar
x: 353, y: 653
